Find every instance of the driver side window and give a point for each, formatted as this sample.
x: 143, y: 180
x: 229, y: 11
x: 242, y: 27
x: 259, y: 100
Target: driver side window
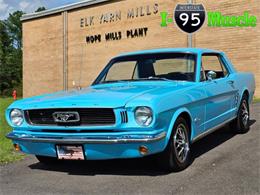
x: 212, y: 62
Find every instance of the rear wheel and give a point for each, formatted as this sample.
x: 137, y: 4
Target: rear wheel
x: 46, y: 159
x: 176, y: 156
x: 241, y: 123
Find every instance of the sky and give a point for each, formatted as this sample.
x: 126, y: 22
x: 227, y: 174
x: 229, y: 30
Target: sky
x: 28, y: 6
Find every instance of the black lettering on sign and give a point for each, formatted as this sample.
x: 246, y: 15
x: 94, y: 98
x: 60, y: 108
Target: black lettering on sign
x: 93, y: 39
x: 138, y: 32
x: 130, y: 13
x: 142, y: 11
x: 85, y: 22
x: 113, y: 36
x: 110, y: 17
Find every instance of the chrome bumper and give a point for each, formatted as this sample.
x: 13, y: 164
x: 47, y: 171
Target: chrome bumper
x: 87, y: 139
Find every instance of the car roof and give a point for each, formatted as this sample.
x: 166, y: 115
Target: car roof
x: 169, y: 50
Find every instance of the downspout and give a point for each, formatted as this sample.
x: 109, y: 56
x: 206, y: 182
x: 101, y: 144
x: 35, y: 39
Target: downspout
x: 65, y: 50
x: 190, y: 35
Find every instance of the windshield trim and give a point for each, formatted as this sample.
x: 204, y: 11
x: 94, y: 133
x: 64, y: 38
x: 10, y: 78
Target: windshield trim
x: 122, y: 58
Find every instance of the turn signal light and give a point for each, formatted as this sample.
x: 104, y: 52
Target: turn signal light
x: 17, y: 147
x: 143, y: 150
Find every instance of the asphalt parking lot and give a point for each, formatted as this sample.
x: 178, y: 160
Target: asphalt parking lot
x: 224, y: 163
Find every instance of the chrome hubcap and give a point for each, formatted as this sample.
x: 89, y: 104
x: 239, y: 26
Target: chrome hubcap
x: 181, y: 143
x: 244, y: 113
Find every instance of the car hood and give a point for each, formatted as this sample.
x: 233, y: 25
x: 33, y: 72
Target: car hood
x: 104, y: 95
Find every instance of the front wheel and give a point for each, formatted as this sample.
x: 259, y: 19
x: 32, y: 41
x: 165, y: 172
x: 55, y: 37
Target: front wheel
x: 177, y: 155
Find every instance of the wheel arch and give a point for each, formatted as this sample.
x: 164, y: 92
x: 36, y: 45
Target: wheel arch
x: 185, y: 113
x: 246, y: 92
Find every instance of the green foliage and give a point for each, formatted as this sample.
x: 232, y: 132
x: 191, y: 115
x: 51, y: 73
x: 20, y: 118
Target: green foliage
x: 10, y: 53
x: 256, y: 100
x: 14, y: 26
x: 40, y: 9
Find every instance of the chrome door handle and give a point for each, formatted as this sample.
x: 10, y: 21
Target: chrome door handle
x: 231, y: 82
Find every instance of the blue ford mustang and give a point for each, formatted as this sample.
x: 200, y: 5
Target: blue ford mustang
x: 146, y: 102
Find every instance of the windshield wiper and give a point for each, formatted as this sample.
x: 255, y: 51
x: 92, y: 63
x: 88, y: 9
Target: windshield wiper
x: 156, y: 78
x: 115, y: 81
x: 141, y: 79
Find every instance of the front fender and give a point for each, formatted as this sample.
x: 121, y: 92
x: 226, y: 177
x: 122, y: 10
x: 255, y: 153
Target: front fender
x: 176, y: 114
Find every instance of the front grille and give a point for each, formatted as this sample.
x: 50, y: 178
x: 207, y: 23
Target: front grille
x: 88, y: 116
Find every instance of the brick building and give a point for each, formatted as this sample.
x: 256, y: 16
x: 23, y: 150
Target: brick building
x: 71, y: 45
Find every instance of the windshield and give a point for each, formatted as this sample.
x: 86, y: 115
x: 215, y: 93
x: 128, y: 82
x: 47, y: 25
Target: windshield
x: 162, y: 66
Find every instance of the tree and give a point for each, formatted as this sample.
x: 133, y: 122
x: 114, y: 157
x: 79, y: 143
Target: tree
x: 5, y: 49
x: 14, y: 26
x: 40, y: 9
x: 10, y: 52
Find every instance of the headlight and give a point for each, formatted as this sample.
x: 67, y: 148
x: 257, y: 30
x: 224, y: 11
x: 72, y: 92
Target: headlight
x: 144, y: 116
x: 16, y: 117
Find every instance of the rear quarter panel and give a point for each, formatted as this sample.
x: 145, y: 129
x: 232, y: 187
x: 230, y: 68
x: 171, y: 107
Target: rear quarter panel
x: 244, y: 81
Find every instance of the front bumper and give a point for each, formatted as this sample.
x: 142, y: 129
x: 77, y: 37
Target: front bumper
x: 96, y: 147
x: 87, y: 139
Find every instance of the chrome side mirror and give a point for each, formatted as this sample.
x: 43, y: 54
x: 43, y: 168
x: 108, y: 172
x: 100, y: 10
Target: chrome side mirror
x: 211, y: 75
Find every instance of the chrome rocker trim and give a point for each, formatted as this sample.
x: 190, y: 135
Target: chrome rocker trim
x: 211, y: 130
x: 88, y: 139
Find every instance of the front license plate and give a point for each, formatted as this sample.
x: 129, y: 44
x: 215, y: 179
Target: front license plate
x: 70, y: 152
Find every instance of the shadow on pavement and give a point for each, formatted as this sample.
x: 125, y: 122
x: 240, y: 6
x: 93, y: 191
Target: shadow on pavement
x: 141, y: 166
x: 213, y: 140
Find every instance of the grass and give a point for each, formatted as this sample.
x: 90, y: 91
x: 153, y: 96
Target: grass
x: 256, y: 100
x: 7, y: 152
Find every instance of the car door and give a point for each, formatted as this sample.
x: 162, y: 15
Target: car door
x: 219, y: 90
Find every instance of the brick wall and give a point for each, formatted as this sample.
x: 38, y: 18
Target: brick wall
x: 42, y: 55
